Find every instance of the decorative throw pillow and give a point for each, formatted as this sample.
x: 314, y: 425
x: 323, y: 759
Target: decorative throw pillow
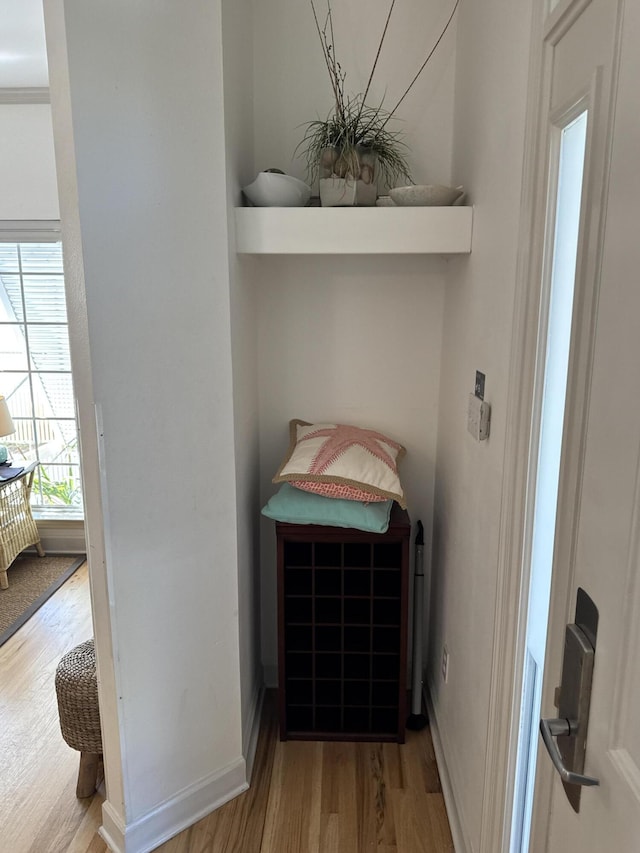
x: 296, y: 507
x: 340, y: 491
x: 331, y: 455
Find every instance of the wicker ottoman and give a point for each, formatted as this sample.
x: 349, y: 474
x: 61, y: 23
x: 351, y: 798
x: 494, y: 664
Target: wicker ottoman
x: 77, y: 692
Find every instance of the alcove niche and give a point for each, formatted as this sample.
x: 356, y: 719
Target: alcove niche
x: 337, y: 313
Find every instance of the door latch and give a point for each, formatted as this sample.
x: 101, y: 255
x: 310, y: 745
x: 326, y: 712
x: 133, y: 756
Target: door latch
x: 565, y: 737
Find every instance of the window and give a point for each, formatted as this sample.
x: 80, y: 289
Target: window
x: 35, y: 373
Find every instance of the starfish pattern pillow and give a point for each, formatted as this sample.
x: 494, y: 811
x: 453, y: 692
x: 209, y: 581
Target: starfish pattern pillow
x: 342, y: 461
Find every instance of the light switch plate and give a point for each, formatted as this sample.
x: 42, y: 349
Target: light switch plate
x: 478, y: 418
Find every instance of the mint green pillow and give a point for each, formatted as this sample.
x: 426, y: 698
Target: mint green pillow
x: 297, y: 507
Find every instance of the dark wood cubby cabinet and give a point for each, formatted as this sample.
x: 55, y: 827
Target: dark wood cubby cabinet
x: 342, y: 631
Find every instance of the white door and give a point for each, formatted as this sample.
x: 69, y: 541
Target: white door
x: 592, y: 45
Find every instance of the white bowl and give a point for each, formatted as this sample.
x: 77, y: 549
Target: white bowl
x: 270, y: 189
x: 431, y: 195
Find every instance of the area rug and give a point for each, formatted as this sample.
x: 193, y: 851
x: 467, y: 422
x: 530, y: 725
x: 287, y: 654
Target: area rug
x: 32, y: 580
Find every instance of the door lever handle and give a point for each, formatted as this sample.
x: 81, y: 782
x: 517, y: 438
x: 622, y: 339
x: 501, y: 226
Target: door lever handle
x: 550, y: 729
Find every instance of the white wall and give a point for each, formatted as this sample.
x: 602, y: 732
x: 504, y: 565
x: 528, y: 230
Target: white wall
x: 152, y: 215
x: 237, y: 27
x: 349, y: 339
x: 28, y: 187
x: 491, y: 90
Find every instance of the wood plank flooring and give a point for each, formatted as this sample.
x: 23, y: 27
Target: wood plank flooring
x: 307, y: 797
x: 39, y: 812
x: 313, y: 797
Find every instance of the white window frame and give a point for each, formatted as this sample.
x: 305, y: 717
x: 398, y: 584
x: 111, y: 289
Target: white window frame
x: 38, y: 231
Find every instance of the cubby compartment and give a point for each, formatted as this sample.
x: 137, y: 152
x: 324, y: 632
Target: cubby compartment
x: 299, y: 609
x: 328, y: 639
x: 298, y: 553
x: 300, y: 691
x: 386, y: 582
x: 357, y: 554
x: 342, y: 627
x: 300, y: 719
x: 328, y: 692
x: 357, y: 639
x: 358, y: 665
x: 357, y: 720
x: 299, y: 581
x: 328, y: 554
x: 299, y: 665
x: 298, y: 638
x: 357, y: 693
x: 357, y: 611
x: 386, y: 611
x: 328, y: 582
x: 385, y: 639
x: 328, y: 665
x: 357, y: 582
x: 328, y: 610
x: 384, y: 666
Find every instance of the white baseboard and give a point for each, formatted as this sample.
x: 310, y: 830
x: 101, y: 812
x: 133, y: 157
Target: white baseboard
x: 112, y: 830
x: 174, y: 815
x: 251, y: 732
x: 460, y: 842
x: 62, y: 537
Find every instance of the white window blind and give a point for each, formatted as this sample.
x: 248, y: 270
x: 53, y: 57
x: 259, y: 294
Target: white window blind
x: 35, y: 373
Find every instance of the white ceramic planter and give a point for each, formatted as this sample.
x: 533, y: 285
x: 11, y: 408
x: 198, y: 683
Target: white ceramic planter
x: 338, y: 188
x: 337, y: 192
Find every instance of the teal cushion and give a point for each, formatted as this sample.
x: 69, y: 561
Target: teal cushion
x: 297, y: 507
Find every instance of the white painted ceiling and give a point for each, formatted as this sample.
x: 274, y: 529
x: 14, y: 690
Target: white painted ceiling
x: 23, y: 55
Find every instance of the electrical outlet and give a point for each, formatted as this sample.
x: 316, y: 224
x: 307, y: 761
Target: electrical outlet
x: 445, y: 664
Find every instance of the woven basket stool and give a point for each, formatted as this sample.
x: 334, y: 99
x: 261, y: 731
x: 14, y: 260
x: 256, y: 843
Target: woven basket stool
x: 77, y: 692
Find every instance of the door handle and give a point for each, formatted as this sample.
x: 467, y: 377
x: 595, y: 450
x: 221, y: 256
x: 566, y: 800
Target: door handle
x: 565, y: 737
x: 550, y: 729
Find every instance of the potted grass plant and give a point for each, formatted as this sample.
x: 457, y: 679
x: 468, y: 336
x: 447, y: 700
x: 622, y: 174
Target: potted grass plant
x: 354, y: 146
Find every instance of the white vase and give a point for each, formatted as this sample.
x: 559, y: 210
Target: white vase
x: 338, y: 187
x: 337, y: 192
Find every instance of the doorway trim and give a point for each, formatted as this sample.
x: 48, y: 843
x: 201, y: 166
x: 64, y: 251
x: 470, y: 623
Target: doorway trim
x: 523, y: 420
x: 88, y: 417
x: 512, y: 586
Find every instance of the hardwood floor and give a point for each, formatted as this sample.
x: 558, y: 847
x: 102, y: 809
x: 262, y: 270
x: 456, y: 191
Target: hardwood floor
x: 39, y: 812
x: 307, y: 797
x: 313, y: 797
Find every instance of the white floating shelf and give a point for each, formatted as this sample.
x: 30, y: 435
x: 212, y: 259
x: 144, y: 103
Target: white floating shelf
x: 353, y: 230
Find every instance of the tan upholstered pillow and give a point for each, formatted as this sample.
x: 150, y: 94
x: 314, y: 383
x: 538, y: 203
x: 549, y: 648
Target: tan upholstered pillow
x: 342, y: 455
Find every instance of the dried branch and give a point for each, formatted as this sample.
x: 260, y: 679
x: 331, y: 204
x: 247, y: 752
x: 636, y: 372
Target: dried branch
x: 424, y: 64
x: 322, y: 35
x: 375, y: 62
